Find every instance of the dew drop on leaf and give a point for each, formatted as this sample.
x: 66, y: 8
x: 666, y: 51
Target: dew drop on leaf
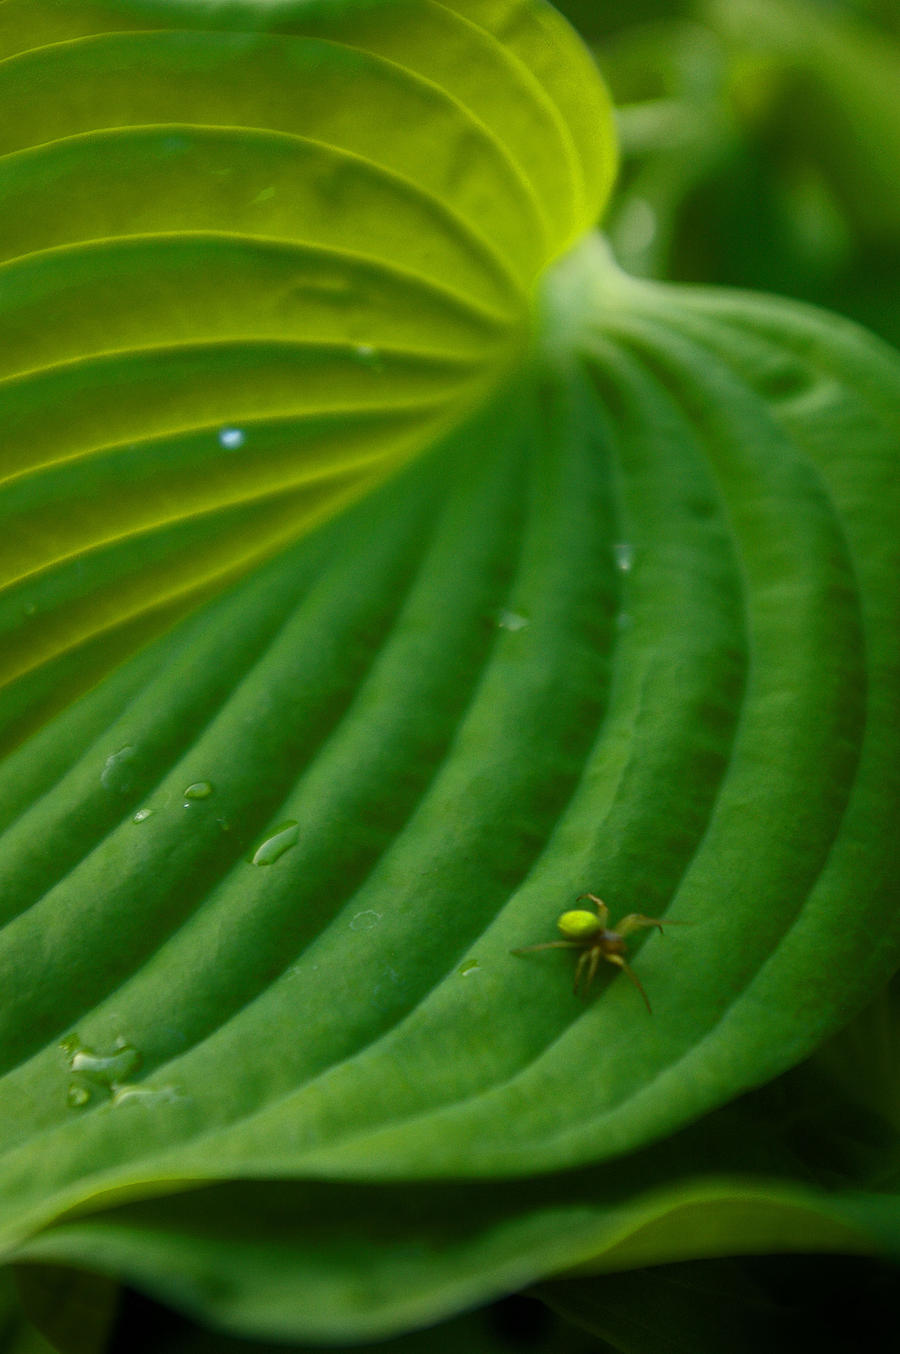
x: 281, y: 839
x: 232, y: 439
x: 369, y: 355
x: 468, y: 967
x: 364, y: 921
x: 512, y: 620
x: 175, y: 145
x: 200, y: 789
x: 116, y: 774
x: 142, y: 815
x: 145, y: 1095
x: 623, y: 553
x: 106, y: 1069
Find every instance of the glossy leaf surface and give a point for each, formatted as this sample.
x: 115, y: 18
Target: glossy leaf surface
x: 626, y: 622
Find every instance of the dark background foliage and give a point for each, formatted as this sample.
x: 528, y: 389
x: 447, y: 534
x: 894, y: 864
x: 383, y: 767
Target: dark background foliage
x: 745, y: 162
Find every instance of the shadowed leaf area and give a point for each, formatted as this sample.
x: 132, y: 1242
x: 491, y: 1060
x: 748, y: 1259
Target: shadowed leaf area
x: 382, y: 570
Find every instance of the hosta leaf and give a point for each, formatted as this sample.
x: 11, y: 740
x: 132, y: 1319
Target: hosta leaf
x: 234, y: 297
x: 627, y: 623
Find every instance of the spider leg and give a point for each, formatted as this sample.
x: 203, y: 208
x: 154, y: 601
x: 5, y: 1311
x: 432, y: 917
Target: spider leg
x: 549, y: 945
x: 602, y: 909
x: 593, y: 956
x: 635, y: 921
x: 626, y: 968
x: 579, y: 969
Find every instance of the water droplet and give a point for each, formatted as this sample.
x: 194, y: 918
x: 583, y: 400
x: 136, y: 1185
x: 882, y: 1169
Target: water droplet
x: 364, y: 921
x: 279, y: 840
x: 468, y: 967
x: 174, y: 145
x: 265, y: 195
x: 77, y: 1096
x: 106, y: 1069
x: 511, y: 620
x: 200, y: 789
x: 145, y: 1095
x: 142, y: 815
x: 623, y: 621
x: 116, y: 773
x: 29, y: 608
x: 369, y: 355
x: 232, y: 438
x: 624, y: 556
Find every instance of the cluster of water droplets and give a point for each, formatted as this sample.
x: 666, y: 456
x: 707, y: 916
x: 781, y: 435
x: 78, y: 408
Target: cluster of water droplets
x: 273, y: 845
x: 98, y: 1075
x: 107, y: 1078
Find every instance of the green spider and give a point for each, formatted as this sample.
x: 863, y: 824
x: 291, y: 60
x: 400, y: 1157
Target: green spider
x: 594, y: 936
